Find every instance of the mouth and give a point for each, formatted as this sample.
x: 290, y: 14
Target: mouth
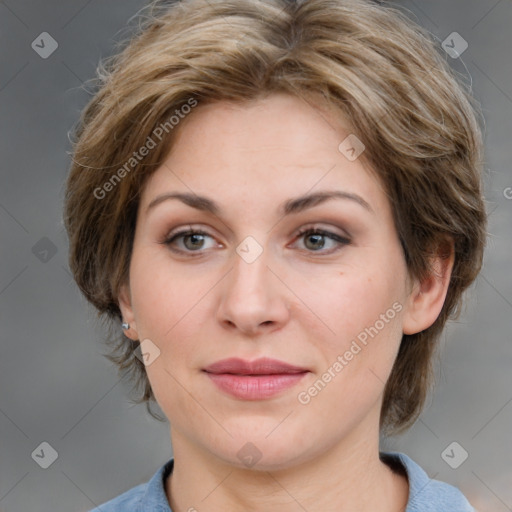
x: 262, y: 366
x: 254, y: 380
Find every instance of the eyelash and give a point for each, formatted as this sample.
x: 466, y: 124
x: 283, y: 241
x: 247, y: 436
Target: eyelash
x: 340, y: 240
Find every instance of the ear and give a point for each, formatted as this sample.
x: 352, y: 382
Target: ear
x: 427, y: 297
x: 125, y: 305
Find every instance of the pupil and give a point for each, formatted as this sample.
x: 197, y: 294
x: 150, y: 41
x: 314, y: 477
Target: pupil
x: 195, y: 237
x: 317, y: 236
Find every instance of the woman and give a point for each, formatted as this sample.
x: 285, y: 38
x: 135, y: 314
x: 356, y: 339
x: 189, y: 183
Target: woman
x: 280, y: 205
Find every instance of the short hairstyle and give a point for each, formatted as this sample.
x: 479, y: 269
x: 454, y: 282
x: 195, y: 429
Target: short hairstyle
x: 385, y: 75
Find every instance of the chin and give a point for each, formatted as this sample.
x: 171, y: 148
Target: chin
x: 260, y: 452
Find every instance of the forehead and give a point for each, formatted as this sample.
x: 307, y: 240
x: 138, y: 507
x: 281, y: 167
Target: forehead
x: 270, y: 149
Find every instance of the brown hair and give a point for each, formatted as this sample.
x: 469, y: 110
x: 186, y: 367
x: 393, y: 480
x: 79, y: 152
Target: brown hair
x: 372, y: 64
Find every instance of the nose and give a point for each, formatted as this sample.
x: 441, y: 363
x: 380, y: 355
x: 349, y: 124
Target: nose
x: 254, y: 297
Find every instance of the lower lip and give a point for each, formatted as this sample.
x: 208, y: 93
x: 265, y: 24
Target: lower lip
x: 255, y: 387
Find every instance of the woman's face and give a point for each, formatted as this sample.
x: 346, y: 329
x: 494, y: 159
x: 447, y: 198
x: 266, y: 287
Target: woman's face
x: 332, y: 305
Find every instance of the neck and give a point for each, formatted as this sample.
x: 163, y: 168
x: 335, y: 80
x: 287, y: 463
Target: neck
x: 349, y: 477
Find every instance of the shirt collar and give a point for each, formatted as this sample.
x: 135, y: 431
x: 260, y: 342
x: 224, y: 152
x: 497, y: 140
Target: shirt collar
x: 416, y: 475
x: 154, y: 498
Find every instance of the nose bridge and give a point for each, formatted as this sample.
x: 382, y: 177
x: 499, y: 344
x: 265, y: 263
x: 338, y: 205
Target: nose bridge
x: 249, y: 294
x: 250, y: 272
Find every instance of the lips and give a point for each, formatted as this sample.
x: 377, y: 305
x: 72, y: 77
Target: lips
x: 262, y: 366
x: 254, y: 380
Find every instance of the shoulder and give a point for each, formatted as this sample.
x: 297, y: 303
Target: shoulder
x: 129, y: 500
x: 146, y: 497
x: 425, y: 493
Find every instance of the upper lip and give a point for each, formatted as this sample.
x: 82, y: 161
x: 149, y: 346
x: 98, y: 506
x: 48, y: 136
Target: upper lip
x: 262, y: 366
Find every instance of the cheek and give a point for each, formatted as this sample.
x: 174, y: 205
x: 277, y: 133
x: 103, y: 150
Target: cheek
x: 365, y: 315
x: 364, y: 311
x: 170, y: 308
x: 165, y: 296
x: 167, y: 305
x: 344, y: 305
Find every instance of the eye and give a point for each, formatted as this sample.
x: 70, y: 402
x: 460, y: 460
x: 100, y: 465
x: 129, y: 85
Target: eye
x: 317, y: 238
x: 193, y: 240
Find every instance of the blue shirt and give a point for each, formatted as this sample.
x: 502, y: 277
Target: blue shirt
x: 425, y: 494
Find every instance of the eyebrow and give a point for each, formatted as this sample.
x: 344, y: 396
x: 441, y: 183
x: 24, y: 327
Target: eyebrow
x: 291, y: 206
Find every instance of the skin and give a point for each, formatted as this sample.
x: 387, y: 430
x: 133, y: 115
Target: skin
x: 300, y: 302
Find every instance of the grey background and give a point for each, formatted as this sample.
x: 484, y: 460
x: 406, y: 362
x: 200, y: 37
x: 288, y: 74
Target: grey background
x: 56, y: 387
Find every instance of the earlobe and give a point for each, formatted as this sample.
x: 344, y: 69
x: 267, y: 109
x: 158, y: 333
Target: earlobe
x: 125, y: 305
x: 427, y: 297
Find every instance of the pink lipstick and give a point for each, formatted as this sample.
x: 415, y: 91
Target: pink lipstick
x: 254, y: 380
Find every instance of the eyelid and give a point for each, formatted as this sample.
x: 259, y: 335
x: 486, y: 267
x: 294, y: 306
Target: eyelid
x: 322, y: 226
x: 185, y: 228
